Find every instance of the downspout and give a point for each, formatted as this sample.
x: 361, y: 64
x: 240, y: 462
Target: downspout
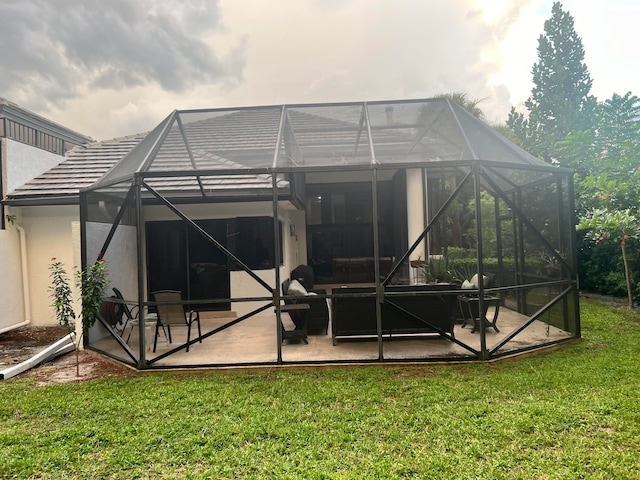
x: 26, y: 291
x: 26, y: 294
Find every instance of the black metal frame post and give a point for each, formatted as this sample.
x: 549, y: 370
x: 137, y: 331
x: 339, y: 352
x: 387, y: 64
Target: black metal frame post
x: 276, y: 289
x: 142, y: 359
x: 376, y: 261
x: 484, y: 353
x: 83, y: 251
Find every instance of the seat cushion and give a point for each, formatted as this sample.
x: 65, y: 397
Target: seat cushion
x: 296, y: 288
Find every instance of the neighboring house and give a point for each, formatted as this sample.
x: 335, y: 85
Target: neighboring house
x: 357, y: 189
x: 29, y: 146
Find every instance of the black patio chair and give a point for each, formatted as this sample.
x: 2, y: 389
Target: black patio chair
x: 130, y: 314
x: 171, y: 312
x: 298, y: 312
x: 111, y: 314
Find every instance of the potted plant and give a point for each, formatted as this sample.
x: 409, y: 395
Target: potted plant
x: 437, y: 270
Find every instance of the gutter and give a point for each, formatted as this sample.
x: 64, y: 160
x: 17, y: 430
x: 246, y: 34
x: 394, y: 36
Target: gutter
x: 62, y: 346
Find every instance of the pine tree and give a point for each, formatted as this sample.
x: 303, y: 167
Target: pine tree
x: 560, y: 102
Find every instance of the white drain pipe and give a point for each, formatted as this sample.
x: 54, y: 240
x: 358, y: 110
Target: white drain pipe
x: 62, y: 346
x: 26, y: 292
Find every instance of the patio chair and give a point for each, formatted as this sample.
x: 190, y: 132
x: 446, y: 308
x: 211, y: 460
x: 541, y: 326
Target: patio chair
x: 171, y: 312
x: 298, y: 312
x: 111, y: 313
x: 128, y: 313
x: 317, y: 318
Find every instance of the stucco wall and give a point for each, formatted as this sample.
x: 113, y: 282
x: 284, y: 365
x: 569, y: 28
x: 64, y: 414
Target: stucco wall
x: 20, y: 164
x: 24, y: 162
x: 415, y: 211
x: 55, y: 232
x: 12, y: 312
x: 51, y: 232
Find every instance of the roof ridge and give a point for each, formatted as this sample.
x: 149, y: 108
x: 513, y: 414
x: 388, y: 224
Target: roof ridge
x: 107, y: 141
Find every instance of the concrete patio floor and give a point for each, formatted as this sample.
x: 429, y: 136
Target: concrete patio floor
x: 254, y: 341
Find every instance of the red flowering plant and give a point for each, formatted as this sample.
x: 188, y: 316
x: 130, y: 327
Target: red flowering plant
x: 604, y: 226
x: 60, y: 293
x: 91, y: 282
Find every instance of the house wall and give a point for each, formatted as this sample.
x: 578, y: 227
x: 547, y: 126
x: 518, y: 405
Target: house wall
x: 24, y: 162
x: 50, y: 232
x: 242, y: 285
x: 121, y: 258
x: 20, y: 163
x: 12, y: 313
x: 55, y: 232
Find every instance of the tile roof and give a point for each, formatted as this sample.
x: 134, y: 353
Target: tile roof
x: 82, y: 168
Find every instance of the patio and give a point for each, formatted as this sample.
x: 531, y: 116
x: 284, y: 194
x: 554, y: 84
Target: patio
x: 253, y: 341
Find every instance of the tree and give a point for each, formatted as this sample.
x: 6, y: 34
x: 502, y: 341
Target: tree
x: 621, y: 226
x: 470, y: 105
x: 611, y: 146
x: 606, y: 159
x: 92, y: 283
x: 567, y: 126
x: 560, y: 102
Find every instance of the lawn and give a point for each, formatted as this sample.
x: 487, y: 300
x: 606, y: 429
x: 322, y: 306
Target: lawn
x: 569, y: 413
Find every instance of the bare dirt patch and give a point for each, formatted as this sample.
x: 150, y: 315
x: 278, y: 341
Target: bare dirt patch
x: 19, y: 345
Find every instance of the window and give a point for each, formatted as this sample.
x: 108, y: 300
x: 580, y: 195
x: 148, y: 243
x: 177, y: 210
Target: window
x: 181, y: 258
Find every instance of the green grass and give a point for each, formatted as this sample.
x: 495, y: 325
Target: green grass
x: 571, y: 413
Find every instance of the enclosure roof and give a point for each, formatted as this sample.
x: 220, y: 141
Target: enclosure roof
x: 312, y: 136
x: 251, y: 141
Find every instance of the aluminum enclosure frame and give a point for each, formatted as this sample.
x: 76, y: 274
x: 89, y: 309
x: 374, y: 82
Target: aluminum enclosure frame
x: 157, y: 186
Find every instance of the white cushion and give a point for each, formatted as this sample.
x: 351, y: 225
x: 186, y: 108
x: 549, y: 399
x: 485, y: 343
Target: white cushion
x: 296, y: 288
x: 467, y: 285
x: 485, y: 281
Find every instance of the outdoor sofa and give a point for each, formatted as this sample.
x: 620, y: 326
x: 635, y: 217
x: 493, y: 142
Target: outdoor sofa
x: 421, y: 310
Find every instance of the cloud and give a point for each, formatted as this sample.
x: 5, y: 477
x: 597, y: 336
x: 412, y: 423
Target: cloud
x: 61, y: 48
x: 369, y: 49
x: 111, y: 68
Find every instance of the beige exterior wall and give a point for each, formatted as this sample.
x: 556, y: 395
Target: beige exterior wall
x: 242, y: 285
x: 12, y: 313
x: 51, y: 232
x: 20, y: 163
x: 55, y: 232
x: 415, y: 212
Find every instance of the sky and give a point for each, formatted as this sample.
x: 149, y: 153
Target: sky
x: 110, y: 68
